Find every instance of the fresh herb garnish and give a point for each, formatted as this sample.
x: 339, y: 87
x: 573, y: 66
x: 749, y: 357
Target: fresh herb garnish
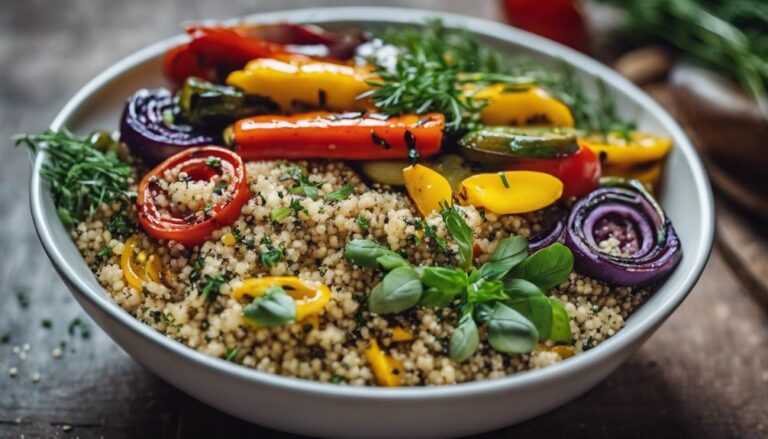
x: 363, y: 223
x: 82, y: 325
x: 212, y: 285
x: 505, y: 293
x: 272, y: 254
x: 213, y: 162
x: 231, y: 354
x: 105, y: 252
x: 274, y: 307
x: 434, y: 66
x: 81, y: 177
x: 46, y: 323
x: 119, y: 226
x: 341, y: 194
x: 302, y: 184
x: 5, y: 337
x: 22, y: 295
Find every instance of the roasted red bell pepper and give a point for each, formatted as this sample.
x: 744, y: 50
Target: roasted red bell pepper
x: 346, y: 136
x: 580, y: 172
x: 197, y: 163
x: 214, y: 52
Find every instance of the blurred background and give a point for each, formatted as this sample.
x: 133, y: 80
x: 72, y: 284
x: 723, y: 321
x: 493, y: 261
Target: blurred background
x: 705, y: 374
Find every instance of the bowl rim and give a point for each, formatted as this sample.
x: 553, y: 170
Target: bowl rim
x: 395, y: 16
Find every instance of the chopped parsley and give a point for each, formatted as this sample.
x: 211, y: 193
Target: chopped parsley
x: 231, y: 354
x: 22, y: 295
x: 82, y: 325
x: 119, y: 226
x: 363, y: 223
x: 105, y: 252
x: 341, y: 194
x: 47, y: 324
x: 272, y: 255
x: 212, y: 285
x: 302, y: 184
x: 5, y: 337
x: 213, y: 162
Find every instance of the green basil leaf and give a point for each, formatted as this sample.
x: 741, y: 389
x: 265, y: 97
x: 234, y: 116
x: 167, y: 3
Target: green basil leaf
x: 365, y: 253
x: 486, y: 291
x: 508, y: 253
x: 464, y: 340
x: 274, y: 307
x: 461, y: 233
x: 509, y: 331
x: 449, y: 280
x: 399, y: 290
x: 390, y: 261
x: 341, y: 194
x: 527, y: 299
x: 436, y: 298
x: 547, y: 268
x: 561, y: 322
x: 280, y: 213
x: 483, y: 312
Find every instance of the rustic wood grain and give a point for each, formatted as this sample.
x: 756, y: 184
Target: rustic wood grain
x: 705, y: 374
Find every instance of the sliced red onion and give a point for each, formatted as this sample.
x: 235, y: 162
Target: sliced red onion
x: 548, y: 237
x: 627, y: 212
x: 149, y: 128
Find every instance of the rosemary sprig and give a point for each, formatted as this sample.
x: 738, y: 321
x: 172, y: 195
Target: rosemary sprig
x: 436, y: 68
x: 81, y: 177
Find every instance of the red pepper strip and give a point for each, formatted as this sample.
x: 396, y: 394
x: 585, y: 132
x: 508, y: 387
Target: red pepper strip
x: 580, y: 172
x: 214, y: 52
x: 348, y: 136
x: 191, y: 230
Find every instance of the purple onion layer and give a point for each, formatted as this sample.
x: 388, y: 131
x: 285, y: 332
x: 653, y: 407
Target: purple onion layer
x: 649, y: 246
x: 149, y: 128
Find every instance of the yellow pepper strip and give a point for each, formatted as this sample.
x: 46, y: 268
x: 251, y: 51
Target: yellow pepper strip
x: 296, y: 83
x: 153, y: 268
x: 387, y: 371
x: 309, y: 300
x: 399, y: 334
x: 132, y: 272
x: 639, y: 148
x: 511, y: 191
x: 533, y: 106
x: 649, y: 175
x: 138, y: 269
x: 427, y: 188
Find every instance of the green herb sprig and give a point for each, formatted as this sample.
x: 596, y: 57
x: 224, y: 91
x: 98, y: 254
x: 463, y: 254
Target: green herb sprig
x: 81, y: 176
x: 506, y: 293
x: 435, y: 64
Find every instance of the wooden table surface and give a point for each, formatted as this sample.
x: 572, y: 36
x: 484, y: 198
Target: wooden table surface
x: 704, y: 374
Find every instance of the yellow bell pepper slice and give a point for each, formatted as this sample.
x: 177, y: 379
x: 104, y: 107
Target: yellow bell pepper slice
x: 309, y: 300
x: 639, y: 148
x: 399, y: 335
x: 132, y: 271
x: 136, y: 273
x: 295, y: 83
x: 510, y: 192
x: 387, y: 371
x: 649, y: 175
x: 428, y: 189
x: 532, y: 106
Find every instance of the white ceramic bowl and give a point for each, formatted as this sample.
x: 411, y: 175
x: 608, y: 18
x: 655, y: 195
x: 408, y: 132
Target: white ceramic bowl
x: 329, y: 410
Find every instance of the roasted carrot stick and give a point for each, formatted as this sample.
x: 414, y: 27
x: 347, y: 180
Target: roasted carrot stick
x: 345, y: 136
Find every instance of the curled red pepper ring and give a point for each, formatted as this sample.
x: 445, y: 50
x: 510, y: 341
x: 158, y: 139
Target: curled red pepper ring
x: 191, y: 230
